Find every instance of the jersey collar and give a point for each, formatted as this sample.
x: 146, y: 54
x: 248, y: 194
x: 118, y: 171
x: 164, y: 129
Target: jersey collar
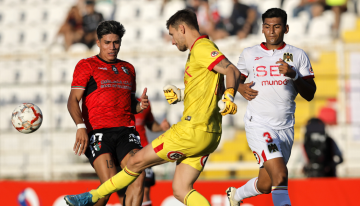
x: 203, y: 36
x: 263, y: 45
x: 106, y: 61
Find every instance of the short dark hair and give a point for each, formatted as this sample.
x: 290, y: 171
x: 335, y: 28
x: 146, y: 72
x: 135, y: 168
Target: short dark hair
x: 187, y: 16
x: 275, y: 12
x: 110, y: 27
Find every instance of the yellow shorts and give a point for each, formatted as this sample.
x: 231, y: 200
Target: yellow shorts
x: 186, y: 145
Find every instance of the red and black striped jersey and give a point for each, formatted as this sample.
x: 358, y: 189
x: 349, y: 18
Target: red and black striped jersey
x: 108, y: 86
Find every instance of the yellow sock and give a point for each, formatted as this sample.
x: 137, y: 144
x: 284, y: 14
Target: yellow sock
x: 193, y: 198
x: 115, y: 183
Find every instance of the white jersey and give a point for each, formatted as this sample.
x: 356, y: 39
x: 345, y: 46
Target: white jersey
x: 274, y: 106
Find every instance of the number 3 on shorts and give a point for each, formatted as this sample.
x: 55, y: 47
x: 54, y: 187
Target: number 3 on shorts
x: 268, y: 137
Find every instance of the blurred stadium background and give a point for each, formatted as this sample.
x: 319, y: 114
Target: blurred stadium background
x: 35, y: 67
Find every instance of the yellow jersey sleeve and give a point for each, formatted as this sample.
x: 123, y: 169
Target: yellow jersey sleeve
x: 207, y: 54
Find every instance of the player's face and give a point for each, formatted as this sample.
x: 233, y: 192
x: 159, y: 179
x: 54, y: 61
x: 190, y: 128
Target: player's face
x: 109, y: 46
x: 178, y: 39
x: 274, y: 30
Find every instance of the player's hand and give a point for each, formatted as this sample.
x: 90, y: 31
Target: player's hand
x: 246, y: 91
x: 226, y: 104
x: 173, y: 94
x: 164, y: 125
x: 286, y: 69
x: 144, y: 100
x: 81, y: 141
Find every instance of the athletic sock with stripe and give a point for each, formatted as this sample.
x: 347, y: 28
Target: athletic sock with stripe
x: 247, y: 190
x: 280, y: 196
x: 115, y: 183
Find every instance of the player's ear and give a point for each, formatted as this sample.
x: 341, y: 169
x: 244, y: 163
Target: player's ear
x: 286, y: 29
x: 262, y: 28
x: 182, y: 28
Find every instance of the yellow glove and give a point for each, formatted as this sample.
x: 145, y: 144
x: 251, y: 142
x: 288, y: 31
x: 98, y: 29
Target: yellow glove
x: 226, y: 104
x: 173, y: 94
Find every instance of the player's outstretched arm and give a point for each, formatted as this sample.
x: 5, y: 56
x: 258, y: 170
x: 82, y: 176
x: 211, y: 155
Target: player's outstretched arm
x: 226, y: 104
x: 82, y: 139
x: 154, y: 126
x: 306, y: 88
x: 232, y: 73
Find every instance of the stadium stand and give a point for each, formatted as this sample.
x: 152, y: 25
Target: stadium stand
x: 34, y: 67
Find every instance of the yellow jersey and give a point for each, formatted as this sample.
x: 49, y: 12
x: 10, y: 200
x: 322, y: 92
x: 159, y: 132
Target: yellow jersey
x: 203, y: 87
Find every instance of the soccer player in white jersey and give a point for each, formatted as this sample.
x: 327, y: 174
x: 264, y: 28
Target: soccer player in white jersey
x: 277, y: 73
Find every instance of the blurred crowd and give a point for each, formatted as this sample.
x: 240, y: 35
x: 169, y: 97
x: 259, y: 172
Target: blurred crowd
x: 82, y: 19
x: 80, y: 24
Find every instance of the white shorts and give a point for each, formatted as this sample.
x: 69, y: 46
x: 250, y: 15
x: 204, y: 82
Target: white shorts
x: 267, y: 143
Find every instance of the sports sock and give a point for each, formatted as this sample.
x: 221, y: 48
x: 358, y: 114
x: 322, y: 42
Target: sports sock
x: 280, y: 196
x: 193, y: 198
x: 115, y: 183
x: 247, y: 190
x: 147, y: 203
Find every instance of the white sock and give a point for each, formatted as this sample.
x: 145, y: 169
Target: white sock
x: 247, y: 190
x: 280, y: 196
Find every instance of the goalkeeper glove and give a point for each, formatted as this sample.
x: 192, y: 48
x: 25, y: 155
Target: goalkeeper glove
x: 173, y: 94
x: 226, y: 104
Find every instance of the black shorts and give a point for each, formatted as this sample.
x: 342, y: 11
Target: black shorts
x: 117, y: 141
x: 148, y: 182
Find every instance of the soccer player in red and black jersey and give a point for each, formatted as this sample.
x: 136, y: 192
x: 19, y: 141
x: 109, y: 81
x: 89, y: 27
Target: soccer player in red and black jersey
x: 106, y: 131
x: 143, y: 119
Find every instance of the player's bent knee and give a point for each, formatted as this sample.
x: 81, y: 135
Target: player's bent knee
x: 135, y: 162
x: 280, y: 178
x: 180, y: 190
x: 264, y: 189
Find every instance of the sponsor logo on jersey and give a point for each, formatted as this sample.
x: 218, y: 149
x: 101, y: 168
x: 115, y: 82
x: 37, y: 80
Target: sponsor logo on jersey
x: 203, y: 160
x: 102, y: 68
x: 174, y: 155
x: 288, y: 57
x: 257, y: 157
x: 272, y: 148
x: 214, y: 53
x: 116, y: 71
x: 258, y: 58
x: 311, y: 70
x: 125, y: 70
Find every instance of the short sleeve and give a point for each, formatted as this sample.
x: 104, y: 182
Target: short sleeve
x: 305, y: 68
x: 208, y: 55
x: 82, y: 74
x: 241, y: 65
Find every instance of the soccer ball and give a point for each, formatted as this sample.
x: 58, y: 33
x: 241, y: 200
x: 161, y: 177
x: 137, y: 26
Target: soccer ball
x: 27, y: 118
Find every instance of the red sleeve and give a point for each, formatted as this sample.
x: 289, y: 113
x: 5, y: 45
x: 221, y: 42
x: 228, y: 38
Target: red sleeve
x: 308, y: 77
x: 243, y: 75
x: 82, y: 74
x: 211, y: 66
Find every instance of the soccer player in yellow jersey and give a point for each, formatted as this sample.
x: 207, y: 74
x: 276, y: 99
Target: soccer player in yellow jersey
x: 190, y: 141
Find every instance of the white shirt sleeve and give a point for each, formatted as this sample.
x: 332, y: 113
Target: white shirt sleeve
x: 241, y: 65
x: 305, y: 68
